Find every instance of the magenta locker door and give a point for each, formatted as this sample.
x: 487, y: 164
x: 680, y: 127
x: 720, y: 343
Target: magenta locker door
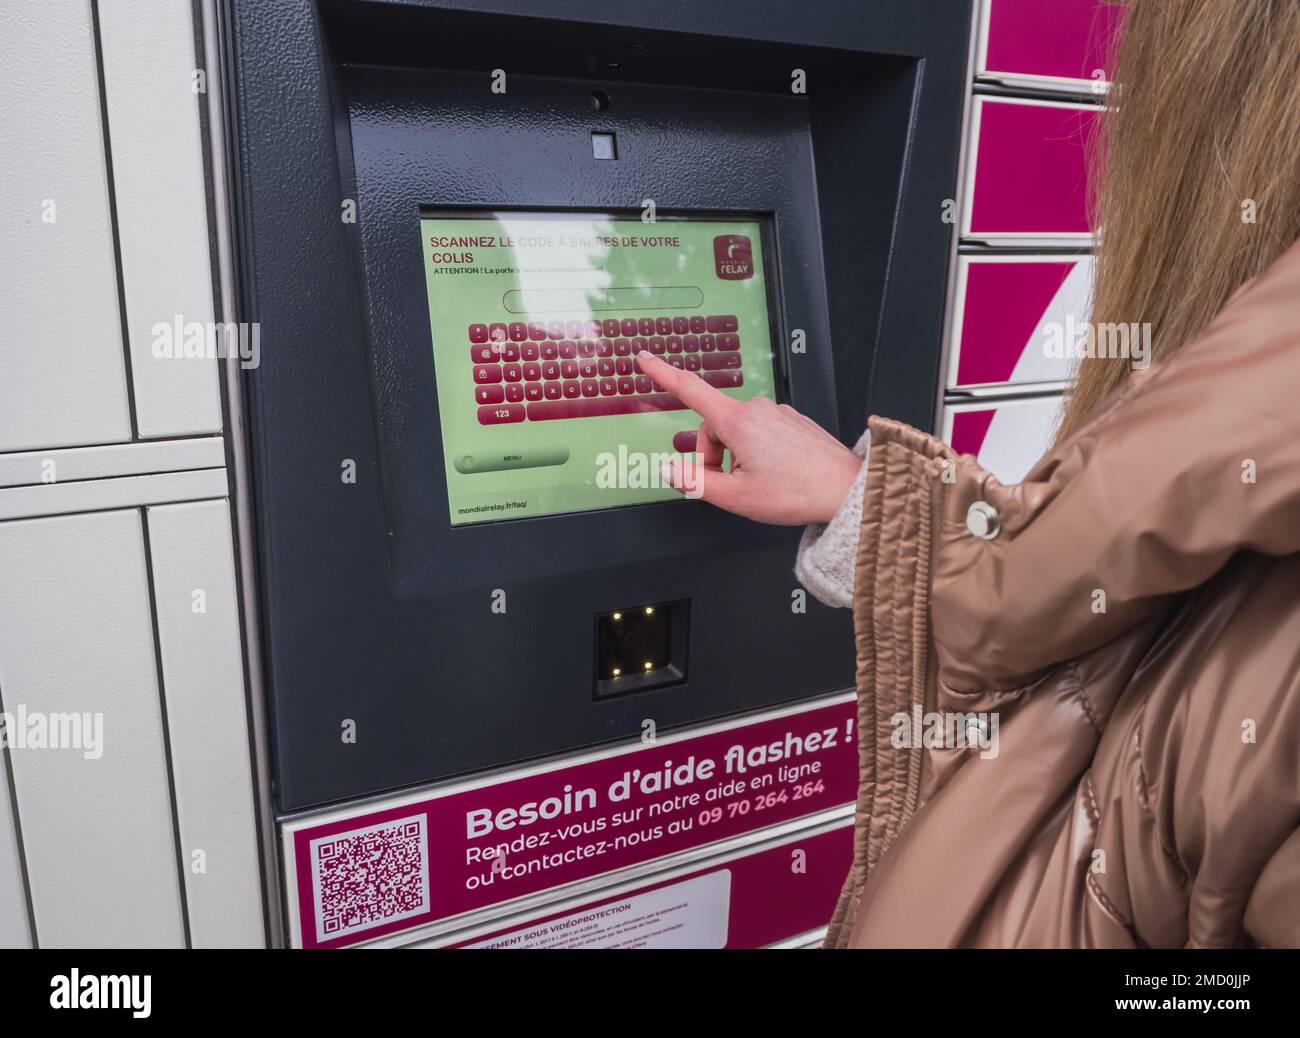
x: 1013, y: 317
x: 1007, y: 437
x: 1051, y: 43
x: 1028, y: 177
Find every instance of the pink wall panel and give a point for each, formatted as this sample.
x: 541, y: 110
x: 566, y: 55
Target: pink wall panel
x: 1061, y: 39
x: 1031, y: 164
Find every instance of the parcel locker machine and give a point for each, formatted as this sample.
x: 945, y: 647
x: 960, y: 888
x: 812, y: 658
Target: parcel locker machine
x: 458, y: 222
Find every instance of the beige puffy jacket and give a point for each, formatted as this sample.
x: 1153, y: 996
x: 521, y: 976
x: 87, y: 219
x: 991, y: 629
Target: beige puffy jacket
x: 1118, y: 639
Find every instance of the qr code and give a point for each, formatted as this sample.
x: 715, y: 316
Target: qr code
x: 369, y: 876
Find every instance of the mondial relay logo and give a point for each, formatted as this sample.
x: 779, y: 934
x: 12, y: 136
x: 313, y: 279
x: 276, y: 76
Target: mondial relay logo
x: 733, y: 257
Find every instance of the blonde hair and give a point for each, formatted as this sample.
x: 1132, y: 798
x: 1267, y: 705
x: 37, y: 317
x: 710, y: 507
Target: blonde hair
x: 1196, y: 171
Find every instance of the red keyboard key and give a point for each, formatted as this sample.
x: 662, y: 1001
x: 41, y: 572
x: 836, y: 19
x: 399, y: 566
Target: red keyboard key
x: 551, y: 390
x: 512, y: 372
x: 536, y: 330
x: 723, y: 379
x: 643, y: 384
x: 646, y: 326
x: 568, y: 349
x: 698, y: 325
x: 628, y: 326
x: 550, y: 369
x: 569, y: 368
x: 657, y: 345
x: 638, y: 344
x: 681, y: 326
x: 596, y: 407
x: 691, y: 343
x: 573, y: 329
x: 484, y: 373
x: 605, y: 366
x: 572, y: 390
x: 604, y: 348
x: 625, y: 366
x: 501, y: 414
x: 608, y: 387
x: 510, y: 351
x: 550, y: 350
x: 622, y: 347
x: 728, y: 342
x: 532, y: 372
x: 676, y: 362
x: 593, y: 329
x: 514, y: 393
x: 489, y: 394
x: 707, y: 344
x: 590, y: 387
x: 587, y: 368
x: 586, y: 348
x: 529, y: 351
x: 518, y: 331
x: 533, y: 391
x: 555, y: 330
x: 674, y: 343
x: 626, y: 386
x: 488, y: 354
x: 610, y: 327
x: 663, y: 325
x: 723, y: 323
x: 497, y: 332
x: 718, y: 361
x: 692, y: 362
x: 478, y: 333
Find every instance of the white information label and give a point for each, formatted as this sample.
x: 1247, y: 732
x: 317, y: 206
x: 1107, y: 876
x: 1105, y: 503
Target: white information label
x: 690, y: 914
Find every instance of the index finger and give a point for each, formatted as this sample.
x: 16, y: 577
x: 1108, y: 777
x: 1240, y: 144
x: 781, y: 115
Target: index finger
x: 692, y: 390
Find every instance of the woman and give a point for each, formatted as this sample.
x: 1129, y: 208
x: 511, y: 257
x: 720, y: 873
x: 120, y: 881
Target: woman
x: 1129, y: 615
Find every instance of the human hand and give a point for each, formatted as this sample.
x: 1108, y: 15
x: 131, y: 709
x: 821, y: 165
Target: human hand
x: 785, y: 468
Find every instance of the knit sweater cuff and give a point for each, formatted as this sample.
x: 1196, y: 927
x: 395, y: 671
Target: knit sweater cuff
x: 828, y: 553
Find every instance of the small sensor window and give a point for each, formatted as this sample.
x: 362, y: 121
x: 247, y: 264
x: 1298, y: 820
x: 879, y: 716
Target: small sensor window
x: 604, y: 146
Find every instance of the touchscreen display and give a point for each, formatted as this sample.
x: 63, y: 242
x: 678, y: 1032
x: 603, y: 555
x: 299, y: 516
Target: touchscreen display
x: 536, y: 321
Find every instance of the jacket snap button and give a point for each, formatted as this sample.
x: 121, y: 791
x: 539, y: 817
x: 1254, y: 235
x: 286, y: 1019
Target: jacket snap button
x: 982, y: 520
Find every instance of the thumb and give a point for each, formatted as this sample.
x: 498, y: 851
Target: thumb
x: 696, y: 480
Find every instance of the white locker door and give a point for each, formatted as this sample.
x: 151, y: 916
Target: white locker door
x: 162, y: 216
x: 203, y: 677
x: 64, y: 370
x: 77, y: 639
x: 15, y: 927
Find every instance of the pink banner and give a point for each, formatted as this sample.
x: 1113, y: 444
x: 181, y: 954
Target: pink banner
x: 404, y: 866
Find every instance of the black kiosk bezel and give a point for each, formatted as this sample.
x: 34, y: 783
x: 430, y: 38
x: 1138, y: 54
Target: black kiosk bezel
x: 377, y: 614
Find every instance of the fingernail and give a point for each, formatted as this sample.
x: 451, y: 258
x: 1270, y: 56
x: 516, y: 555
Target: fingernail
x: 666, y: 474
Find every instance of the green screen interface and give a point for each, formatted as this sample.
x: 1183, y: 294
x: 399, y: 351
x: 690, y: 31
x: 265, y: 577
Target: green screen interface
x: 537, y: 319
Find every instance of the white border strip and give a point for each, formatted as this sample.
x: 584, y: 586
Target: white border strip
x: 145, y: 457
x: 97, y: 495
x: 241, y: 493
x: 719, y: 855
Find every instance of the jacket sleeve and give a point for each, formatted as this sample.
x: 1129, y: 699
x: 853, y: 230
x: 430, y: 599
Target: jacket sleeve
x: 1199, y: 460
x: 1273, y: 912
